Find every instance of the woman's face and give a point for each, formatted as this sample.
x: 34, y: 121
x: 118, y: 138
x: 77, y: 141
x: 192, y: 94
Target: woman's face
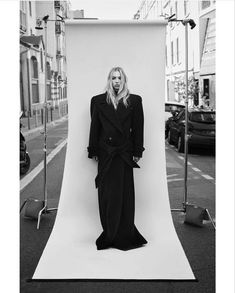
x: 116, y: 80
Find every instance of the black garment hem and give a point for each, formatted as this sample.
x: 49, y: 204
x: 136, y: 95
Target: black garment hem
x: 124, y: 248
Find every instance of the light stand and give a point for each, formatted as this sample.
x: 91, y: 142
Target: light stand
x: 192, y: 24
x: 37, y: 207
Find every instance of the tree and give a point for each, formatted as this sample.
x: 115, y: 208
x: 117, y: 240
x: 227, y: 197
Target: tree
x: 193, y: 88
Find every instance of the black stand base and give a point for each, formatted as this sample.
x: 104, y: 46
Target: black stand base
x: 34, y: 209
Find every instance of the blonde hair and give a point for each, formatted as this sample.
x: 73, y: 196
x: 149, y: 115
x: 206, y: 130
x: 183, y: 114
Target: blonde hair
x: 123, y: 92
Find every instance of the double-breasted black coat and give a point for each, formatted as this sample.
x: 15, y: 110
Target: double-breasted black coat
x: 116, y: 135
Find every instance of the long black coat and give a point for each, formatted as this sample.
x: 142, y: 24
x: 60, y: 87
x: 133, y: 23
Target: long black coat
x: 115, y: 137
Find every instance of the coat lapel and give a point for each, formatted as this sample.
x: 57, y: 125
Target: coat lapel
x: 116, y: 117
x: 110, y: 113
x: 123, y: 112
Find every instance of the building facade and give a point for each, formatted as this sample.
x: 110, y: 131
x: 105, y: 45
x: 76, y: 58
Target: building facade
x: 32, y: 55
x: 201, y: 47
x: 207, y: 73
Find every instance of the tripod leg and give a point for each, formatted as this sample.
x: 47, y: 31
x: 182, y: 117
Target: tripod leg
x: 39, y: 216
x: 212, y: 222
x: 23, y: 205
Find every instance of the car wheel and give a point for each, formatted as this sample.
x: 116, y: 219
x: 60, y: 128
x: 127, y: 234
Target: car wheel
x: 180, y: 144
x: 169, y: 139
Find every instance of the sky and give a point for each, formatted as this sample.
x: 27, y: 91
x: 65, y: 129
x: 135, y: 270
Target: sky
x: 107, y: 9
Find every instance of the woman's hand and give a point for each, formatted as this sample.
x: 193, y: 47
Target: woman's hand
x: 136, y: 159
x: 96, y: 158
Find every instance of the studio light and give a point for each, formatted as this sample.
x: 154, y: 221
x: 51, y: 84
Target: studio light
x: 190, y: 21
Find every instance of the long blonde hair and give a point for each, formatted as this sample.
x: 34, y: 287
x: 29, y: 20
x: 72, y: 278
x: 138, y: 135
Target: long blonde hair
x: 123, y: 92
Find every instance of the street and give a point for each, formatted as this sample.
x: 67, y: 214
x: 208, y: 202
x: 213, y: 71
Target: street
x: 201, y: 178
x: 201, y: 168
x: 201, y: 191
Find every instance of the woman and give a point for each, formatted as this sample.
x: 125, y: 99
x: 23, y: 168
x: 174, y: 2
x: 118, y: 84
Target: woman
x: 116, y: 142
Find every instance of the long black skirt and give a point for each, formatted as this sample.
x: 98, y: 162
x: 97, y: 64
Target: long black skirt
x: 117, y: 208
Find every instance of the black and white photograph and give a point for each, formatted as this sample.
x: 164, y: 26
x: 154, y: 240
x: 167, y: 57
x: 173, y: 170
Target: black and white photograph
x: 125, y: 175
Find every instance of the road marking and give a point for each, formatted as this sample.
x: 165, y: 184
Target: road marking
x: 207, y: 177
x: 29, y: 177
x: 196, y: 169
x: 172, y: 175
x: 182, y: 158
x: 175, y: 179
x: 181, y: 179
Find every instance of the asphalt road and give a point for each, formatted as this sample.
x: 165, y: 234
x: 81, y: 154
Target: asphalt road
x: 35, y: 142
x: 200, y: 178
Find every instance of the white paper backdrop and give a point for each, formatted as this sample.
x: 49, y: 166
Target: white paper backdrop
x: 93, y: 48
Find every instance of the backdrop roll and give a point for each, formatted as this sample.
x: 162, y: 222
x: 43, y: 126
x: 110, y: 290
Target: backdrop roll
x: 93, y: 48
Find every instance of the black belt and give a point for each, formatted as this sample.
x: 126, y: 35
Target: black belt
x: 123, y: 151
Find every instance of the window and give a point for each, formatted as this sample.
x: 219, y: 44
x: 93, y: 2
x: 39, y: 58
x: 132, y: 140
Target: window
x: 206, y: 117
x: 171, y: 12
x: 41, y: 58
x: 185, y: 7
x: 48, y: 71
x: 49, y: 91
x: 34, y: 80
x: 177, y: 50
x: 30, y: 8
x: 172, y: 53
x: 205, y: 4
x: 181, y: 116
x: 176, y: 9
x: 23, y: 24
x: 34, y: 67
x: 65, y: 92
x: 166, y: 56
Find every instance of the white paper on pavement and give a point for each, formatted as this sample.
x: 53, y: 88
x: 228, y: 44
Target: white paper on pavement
x: 93, y: 48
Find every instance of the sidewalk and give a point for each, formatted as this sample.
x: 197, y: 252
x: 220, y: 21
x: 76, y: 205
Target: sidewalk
x: 36, y: 130
x: 35, y: 122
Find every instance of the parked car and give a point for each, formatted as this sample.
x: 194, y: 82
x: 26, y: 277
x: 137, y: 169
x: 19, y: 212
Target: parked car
x: 172, y: 108
x: 201, y: 129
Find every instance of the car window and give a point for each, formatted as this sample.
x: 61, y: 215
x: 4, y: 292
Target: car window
x: 205, y: 117
x: 180, y: 116
x: 169, y: 108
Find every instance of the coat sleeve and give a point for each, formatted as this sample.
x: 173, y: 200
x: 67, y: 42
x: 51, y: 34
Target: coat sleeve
x: 138, y: 128
x: 93, y: 149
